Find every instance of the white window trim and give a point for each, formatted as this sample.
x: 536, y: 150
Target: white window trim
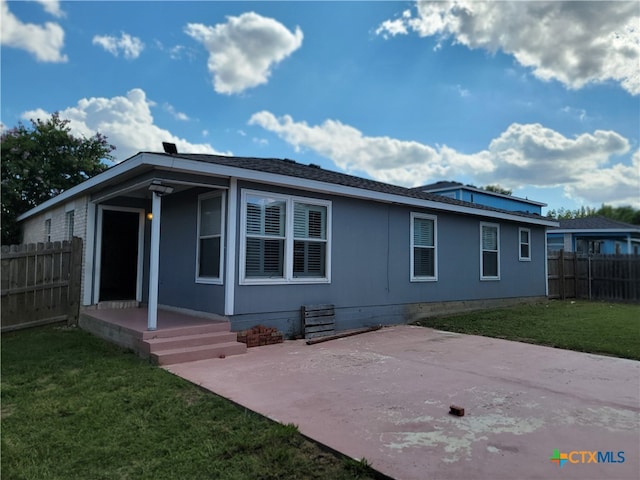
x: 413, y: 277
x: 497, y: 226
x: 219, y: 279
x: 520, y: 243
x: 288, y: 277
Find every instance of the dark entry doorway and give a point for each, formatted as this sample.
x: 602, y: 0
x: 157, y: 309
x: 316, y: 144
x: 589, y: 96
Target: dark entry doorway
x: 119, y: 255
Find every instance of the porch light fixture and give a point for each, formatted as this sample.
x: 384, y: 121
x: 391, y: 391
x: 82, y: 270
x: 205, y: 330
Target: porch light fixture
x: 159, y: 188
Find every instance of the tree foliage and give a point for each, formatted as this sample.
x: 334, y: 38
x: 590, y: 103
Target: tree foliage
x: 626, y: 213
x: 42, y: 161
x: 497, y: 189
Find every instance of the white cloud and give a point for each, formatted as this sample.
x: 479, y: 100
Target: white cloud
x: 578, y: 113
x: 523, y: 155
x: 243, y: 51
x: 616, y: 185
x: 127, y: 123
x: 183, y: 117
x: 573, y: 42
x: 463, y: 92
x: 45, y: 42
x: 131, y: 47
x: 52, y: 7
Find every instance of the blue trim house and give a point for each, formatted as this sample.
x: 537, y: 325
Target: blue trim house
x: 594, y: 235
x: 468, y: 193
x: 255, y: 239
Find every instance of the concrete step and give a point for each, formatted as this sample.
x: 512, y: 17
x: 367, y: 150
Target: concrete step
x: 191, y: 354
x: 183, y: 341
x: 190, y: 330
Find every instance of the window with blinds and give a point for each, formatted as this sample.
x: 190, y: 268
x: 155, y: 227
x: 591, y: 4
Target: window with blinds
x: 265, y: 237
x: 286, y: 239
x: 525, y: 244
x: 210, y: 230
x: 423, y: 247
x: 490, y: 251
x: 309, y: 240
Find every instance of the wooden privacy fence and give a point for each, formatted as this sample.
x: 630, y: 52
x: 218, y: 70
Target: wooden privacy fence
x: 40, y: 283
x: 595, y: 277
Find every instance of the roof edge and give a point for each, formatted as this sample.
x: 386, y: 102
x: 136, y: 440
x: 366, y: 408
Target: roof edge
x: 172, y: 162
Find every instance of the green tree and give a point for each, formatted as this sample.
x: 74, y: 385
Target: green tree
x: 626, y: 213
x: 42, y: 161
x: 497, y: 189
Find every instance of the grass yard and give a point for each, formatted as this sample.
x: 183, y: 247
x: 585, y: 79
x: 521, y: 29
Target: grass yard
x: 75, y: 407
x: 604, y: 328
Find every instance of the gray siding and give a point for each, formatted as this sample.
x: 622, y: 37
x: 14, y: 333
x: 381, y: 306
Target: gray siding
x: 178, y: 242
x: 370, y: 279
x: 371, y: 263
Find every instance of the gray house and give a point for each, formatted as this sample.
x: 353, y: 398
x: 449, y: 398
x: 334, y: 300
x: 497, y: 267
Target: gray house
x: 255, y: 239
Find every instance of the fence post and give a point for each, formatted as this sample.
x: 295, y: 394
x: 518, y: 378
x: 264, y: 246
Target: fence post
x: 75, y: 274
x: 561, y: 274
x: 589, y: 279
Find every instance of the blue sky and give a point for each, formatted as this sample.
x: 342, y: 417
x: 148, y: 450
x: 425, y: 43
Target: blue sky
x: 542, y: 98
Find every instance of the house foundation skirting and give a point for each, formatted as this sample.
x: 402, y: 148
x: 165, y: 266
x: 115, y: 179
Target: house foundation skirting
x: 347, y: 318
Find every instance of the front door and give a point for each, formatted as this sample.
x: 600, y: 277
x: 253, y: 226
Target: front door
x: 119, y: 255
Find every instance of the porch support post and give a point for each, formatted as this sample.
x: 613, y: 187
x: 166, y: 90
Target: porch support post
x: 89, y: 255
x: 230, y: 270
x: 154, y: 263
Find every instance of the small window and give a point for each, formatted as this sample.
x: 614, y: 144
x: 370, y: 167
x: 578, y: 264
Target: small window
x: 489, y: 251
x: 265, y: 237
x: 210, y: 233
x: 47, y: 230
x: 309, y: 240
x: 525, y: 244
x: 69, y: 222
x: 423, y: 247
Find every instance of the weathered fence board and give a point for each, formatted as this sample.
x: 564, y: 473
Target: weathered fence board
x: 319, y: 320
x: 595, y: 277
x: 40, y: 283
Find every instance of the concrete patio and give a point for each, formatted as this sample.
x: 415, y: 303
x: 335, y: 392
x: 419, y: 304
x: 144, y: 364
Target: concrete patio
x: 385, y: 396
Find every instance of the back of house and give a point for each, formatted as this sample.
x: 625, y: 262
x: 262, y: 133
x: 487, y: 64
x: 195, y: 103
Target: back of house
x: 255, y: 239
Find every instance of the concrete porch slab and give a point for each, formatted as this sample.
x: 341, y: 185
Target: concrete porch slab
x: 385, y: 396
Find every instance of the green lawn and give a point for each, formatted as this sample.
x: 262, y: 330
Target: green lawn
x: 75, y: 407
x: 604, y: 328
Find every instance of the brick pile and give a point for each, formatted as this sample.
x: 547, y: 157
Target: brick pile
x: 260, y: 335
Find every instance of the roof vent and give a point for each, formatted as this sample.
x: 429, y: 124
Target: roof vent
x: 313, y: 165
x: 170, y: 148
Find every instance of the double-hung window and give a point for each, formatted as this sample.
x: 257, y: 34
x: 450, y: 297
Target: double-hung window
x: 524, y: 235
x: 285, y: 239
x: 424, y: 261
x: 210, y: 238
x: 265, y: 237
x: 489, y: 251
x: 309, y: 240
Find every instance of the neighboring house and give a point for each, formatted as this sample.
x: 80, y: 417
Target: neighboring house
x: 470, y: 194
x: 594, y: 235
x: 255, y: 239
